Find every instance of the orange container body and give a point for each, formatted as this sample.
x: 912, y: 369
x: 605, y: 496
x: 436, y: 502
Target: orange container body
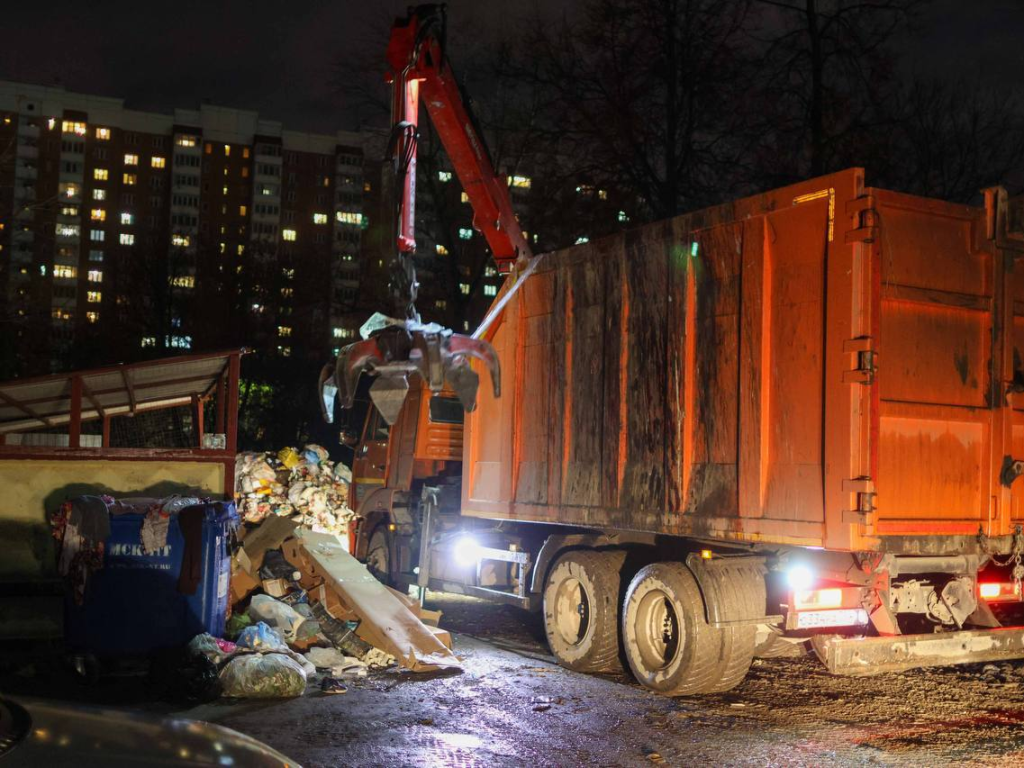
x: 824, y: 365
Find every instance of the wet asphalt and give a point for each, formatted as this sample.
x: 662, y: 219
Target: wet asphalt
x: 513, y: 706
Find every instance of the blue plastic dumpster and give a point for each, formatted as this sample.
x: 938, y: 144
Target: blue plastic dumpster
x: 133, y: 607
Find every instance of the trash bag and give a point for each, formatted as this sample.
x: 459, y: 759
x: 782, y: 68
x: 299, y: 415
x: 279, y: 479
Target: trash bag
x: 215, y: 649
x: 288, y: 622
x: 336, y: 662
x: 235, y: 624
x: 259, y: 637
x: 262, y: 675
x: 180, y: 675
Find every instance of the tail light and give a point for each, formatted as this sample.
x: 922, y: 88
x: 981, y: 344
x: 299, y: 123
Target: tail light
x: 999, y: 591
x: 816, y: 599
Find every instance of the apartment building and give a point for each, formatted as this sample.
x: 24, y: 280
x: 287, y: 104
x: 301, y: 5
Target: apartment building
x: 122, y: 231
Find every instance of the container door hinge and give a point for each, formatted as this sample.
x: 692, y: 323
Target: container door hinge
x: 866, y: 361
x: 862, y: 209
x: 863, y: 491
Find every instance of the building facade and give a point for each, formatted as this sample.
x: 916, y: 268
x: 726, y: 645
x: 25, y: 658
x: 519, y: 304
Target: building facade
x: 124, y: 231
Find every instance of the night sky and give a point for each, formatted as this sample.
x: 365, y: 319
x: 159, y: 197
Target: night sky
x: 280, y: 58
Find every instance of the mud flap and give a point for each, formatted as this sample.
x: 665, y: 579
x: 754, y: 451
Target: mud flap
x: 863, y: 656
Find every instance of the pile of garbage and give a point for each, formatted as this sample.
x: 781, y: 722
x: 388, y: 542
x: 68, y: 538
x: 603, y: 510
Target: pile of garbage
x: 304, y: 610
x: 302, y: 485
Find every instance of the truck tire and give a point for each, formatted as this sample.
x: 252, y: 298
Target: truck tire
x: 669, y: 644
x: 581, y: 610
x: 743, y: 593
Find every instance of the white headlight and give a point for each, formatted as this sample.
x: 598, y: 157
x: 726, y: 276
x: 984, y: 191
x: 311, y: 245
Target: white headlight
x: 466, y: 551
x: 800, y: 577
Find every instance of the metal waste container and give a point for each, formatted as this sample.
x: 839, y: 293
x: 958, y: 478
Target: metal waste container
x: 133, y: 606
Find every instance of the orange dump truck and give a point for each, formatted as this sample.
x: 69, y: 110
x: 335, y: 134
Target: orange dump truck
x: 796, y: 417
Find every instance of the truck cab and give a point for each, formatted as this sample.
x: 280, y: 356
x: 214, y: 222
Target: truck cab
x: 391, y: 466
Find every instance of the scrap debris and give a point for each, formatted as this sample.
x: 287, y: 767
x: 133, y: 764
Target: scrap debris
x: 304, y: 486
x: 305, y: 610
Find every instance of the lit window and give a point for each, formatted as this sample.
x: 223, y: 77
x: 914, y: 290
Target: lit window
x: 127, y: 219
x: 241, y: 249
x: 92, y: 317
x: 464, y: 288
x: 99, y: 194
x: 623, y: 217
x: 444, y: 175
x: 69, y: 210
x: 128, y: 179
x: 184, y: 281
x: 490, y: 290
x: 224, y: 189
x: 284, y: 330
x: 490, y: 272
x: 285, y: 351
x: 100, y: 174
x: 242, y: 210
x: 602, y: 194
x: 186, y: 141
x: 582, y: 239
x: 348, y: 217
x: 148, y: 341
x: 465, y: 234
x: 127, y: 239
x: 245, y: 151
x: 158, y: 162
x: 103, y: 134
x: 69, y: 190
x: 63, y: 270
x: 223, y: 247
x: 287, y: 292
x: 181, y: 241
x: 69, y: 126
x: 319, y: 218
x: 288, y: 234
x: 68, y: 230
x: 93, y: 297
x: 464, y: 197
x: 441, y: 250
x: 131, y: 159
x: 441, y: 304
x: 178, y: 342
x: 209, y: 148
x: 98, y: 214
x: 521, y: 182
x: 97, y: 235
x: 49, y: 123
x: 343, y: 333
x: 95, y: 276
x: 227, y: 150
x: 95, y: 255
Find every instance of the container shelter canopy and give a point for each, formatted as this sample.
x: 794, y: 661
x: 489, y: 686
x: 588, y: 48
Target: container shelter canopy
x: 47, y: 401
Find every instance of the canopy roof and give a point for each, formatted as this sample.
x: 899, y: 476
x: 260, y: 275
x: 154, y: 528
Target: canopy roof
x: 46, y: 401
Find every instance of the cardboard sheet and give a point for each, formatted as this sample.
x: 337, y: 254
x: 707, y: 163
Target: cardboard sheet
x: 385, y: 621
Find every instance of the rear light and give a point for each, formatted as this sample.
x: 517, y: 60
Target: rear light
x: 999, y: 592
x: 844, y: 617
x: 814, y: 599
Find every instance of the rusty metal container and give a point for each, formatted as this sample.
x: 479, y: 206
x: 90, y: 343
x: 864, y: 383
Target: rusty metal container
x: 826, y: 365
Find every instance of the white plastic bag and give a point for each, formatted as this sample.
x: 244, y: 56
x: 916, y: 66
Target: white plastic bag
x: 263, y: 676
x: 279, y: 616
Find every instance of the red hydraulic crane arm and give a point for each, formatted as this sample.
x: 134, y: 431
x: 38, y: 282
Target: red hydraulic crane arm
x: 419, y: 69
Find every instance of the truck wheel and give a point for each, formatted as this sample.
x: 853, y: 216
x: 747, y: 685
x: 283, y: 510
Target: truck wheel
x: 581, y: 610
x: 378, y: 555
x: 740, y: 591
x: 670, y: 646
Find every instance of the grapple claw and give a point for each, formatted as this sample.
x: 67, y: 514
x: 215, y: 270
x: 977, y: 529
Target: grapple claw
x: 393, y: 352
